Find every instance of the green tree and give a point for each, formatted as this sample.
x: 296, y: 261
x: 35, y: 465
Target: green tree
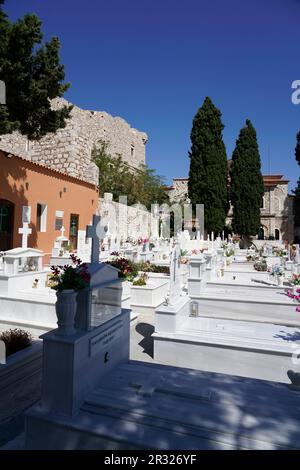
x: 208, y: 166
x: 33, y: 76
x: 140, y: 185
x: 247, y: 187
x: 296, y: 191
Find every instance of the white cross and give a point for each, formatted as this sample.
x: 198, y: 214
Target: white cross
x: 91, y: 232
x: 297, y: 257
x: 25, y: 231
x: 62, y: 231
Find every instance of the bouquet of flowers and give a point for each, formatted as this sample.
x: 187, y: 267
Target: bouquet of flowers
x: 276, y: 270
x: 127, y: 269
x: 251, y: 257
x: 229, y: 252
x: 74, y: 277
x: 143, y: 241
x: 278, y: 251
x: 295, y: 281
x: 261, y: 265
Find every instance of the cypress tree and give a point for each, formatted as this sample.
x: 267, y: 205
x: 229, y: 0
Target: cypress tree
x: 208, y: 167
x: 297, y: 155
x: 247, y: 187
x: 33, y: 76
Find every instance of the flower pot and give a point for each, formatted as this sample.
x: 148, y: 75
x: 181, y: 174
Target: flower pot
x: 65, y: 311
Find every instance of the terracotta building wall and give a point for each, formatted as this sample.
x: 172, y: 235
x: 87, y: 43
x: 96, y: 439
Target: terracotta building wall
x: 26, y: 184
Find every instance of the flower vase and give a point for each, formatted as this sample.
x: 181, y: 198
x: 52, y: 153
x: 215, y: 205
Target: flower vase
x: 280, y: 280
x: 294, y: 289
x: 65, y: 307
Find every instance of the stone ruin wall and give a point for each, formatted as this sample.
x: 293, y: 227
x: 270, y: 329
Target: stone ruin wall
x: 69, y: 149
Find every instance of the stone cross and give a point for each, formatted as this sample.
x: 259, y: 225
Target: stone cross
x: 175, y: 284
x: 92, y: 231
x: 25, y: 231
x: 62, y: 231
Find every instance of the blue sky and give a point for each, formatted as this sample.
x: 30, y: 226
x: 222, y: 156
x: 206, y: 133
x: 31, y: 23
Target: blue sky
x: 153, y: 63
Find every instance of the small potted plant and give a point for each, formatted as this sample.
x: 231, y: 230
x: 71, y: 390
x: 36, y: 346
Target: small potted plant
x: 15, y: 340
x: 141, y: 281
x: 67, y: 281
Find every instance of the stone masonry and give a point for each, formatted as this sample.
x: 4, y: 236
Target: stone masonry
x: 276, y: 211
x: 69, y: 149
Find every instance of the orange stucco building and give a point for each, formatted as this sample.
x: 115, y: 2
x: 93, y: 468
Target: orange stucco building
x: 45, y: 198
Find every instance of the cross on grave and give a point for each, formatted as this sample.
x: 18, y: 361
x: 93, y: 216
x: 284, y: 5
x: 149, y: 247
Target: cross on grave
x: 62, y: 231
x: 92, y: 232
x: 175, y: 284
x: 297, y: 257
x: 25, y: 231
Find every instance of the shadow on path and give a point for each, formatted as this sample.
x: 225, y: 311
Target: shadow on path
x: 146, y: 331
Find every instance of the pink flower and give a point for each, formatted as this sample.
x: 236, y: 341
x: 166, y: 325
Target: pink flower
x: 298, y: 309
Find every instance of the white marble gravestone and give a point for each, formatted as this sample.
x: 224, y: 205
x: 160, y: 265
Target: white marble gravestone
x: 21, y: 266
x: 100, y: 343
x: 175, y: 279
x: 58, y: 255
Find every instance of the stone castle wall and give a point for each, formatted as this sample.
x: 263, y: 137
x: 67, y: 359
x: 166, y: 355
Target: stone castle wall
x: 69, y: 149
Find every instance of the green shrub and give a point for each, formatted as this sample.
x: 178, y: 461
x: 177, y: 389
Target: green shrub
x: 139, y: 282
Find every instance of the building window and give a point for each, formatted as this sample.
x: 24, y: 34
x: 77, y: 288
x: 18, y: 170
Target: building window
x: 262, y: 203
x: 132, y: 151
x: 261, y: 234
x: 58, y: 223
x: 277, y: 234
x: 41, y: 217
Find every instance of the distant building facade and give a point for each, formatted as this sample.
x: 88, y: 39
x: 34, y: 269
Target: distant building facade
x: 277, y: 214
x: 45, y: 199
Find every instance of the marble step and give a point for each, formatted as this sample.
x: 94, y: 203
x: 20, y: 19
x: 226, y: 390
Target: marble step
x: 213, y: 411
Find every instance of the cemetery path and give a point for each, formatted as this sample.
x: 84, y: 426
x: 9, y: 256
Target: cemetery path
x: 141, y: 341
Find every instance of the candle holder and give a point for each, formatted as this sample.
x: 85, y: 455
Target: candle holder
x: 194, y: 309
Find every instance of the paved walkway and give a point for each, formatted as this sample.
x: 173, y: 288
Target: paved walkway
x: 141, y: 342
